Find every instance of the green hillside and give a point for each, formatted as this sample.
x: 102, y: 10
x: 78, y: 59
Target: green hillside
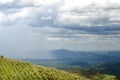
x: 18, y: 70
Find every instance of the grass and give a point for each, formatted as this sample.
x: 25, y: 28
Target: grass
x: 19, y: 70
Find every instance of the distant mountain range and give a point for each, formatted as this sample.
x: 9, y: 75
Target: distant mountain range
x: 82, y: 59
x: 87, y: 56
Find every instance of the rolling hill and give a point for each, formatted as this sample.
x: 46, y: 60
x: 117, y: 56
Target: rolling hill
x: 20, y: 70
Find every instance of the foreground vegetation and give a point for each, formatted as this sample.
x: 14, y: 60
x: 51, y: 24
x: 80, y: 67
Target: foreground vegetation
x: 93, y: 75
x: 18, y: 70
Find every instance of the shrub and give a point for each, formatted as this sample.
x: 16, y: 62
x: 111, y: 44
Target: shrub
x: 1, y: 56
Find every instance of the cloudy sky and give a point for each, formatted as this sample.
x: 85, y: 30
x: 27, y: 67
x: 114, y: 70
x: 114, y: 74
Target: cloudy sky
x: 33, y: 26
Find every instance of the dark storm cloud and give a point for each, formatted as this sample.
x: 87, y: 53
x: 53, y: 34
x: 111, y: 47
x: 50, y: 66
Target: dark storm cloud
x: 106, y: 30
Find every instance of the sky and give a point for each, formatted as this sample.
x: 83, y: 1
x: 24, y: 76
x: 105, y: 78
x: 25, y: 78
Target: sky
x: 32, y: 27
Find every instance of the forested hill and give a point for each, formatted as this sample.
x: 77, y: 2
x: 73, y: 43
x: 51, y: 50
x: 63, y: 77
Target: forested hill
x: 19, y: 70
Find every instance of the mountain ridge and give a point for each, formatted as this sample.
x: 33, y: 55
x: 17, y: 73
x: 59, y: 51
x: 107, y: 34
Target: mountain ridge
x: 87, y: 56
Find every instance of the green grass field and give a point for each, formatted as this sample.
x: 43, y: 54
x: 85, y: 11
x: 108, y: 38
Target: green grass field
x: 19, y: 70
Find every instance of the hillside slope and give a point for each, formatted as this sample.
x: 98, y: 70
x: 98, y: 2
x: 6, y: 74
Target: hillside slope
x: 18, y: 70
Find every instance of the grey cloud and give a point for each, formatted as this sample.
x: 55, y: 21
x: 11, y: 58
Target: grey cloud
x: 37, y: 12
x: 37, y: 21
x: 90, y: 15
x: 96, y: 16
x: 15, y: 5
x: 97, y: 30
